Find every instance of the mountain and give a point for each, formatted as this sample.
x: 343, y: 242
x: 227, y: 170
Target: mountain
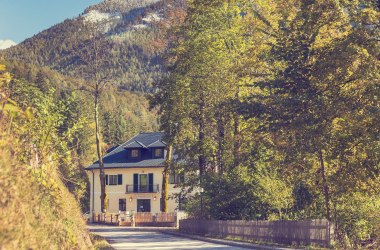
x: 5, y: 44
x: 129, y: 31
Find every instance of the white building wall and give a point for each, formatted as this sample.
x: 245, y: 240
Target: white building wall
x: 116, y: 192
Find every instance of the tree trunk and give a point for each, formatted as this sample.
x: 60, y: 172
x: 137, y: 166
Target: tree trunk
x: 236, y: 150
x: 221, y: 135
x: 165, y: 180
x: 99, y: 152
x: 201, y: 136
x: 325, y: 187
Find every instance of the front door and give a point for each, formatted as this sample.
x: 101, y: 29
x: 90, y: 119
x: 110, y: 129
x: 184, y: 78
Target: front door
x: 143, y: 205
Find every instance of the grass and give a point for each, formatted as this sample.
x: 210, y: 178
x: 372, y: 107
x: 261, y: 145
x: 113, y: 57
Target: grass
x: 239, y: 239
x: 100, y: 243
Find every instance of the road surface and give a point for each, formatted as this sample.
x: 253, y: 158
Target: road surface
x: 144, y: 238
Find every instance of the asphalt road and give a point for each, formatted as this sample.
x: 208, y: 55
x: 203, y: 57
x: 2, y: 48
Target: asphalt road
x: 144, y: 238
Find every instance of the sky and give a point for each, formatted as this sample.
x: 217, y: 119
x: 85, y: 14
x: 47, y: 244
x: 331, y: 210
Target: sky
x: 21, y: 19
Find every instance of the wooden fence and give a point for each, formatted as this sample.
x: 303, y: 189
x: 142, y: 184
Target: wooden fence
x: 110, y: 219
x: 137, y: 219
x: 308, y: 232
x: 158, y: 219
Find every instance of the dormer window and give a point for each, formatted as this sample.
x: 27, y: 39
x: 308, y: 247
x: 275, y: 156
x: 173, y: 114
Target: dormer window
x: 134, y: 153
x: 157, y: 153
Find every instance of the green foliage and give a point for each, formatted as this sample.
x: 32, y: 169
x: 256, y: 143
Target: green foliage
x: 277, y: 194
x: 303, y: 196
x: 134, y: 111
x: 35, y: 203
x: 358, y: 215
x: 288, y: 89
x: 229, y: 197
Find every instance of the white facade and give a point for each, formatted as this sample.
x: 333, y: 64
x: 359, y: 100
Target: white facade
x: 132, y: 198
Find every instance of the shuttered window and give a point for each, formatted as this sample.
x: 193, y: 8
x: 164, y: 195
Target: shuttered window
x: 113, y: 180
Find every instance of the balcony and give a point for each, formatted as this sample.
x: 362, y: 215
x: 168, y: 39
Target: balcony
x: 143, y: 188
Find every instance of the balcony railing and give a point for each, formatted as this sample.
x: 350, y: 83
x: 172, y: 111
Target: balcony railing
x: 155, y: 188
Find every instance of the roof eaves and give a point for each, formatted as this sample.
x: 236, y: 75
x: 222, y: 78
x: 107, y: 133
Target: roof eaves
x: 124, y: 167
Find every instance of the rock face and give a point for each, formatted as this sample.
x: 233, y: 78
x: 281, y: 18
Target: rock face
x: 95, y: 16
x: 5, y: 44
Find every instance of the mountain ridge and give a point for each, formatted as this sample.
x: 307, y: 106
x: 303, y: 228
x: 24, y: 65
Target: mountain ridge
x: 134, y: 63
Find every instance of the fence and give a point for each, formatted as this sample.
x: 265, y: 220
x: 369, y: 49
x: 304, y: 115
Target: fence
x: 309, y: 232
x: 139, y: 219
x: 110, y: 219
x: 158, y: 219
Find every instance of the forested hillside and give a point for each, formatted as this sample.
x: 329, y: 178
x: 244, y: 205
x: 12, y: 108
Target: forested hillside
x: 123, y: 114
x: 47, y: 129
x: 273, y: 108
x: 128, y: 30
x: 39, y: 158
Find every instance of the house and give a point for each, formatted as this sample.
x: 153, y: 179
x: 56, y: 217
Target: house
x: 134, y: 176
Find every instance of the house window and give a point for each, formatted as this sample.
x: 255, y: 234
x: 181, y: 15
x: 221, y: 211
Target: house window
x: 143, y: 182
x: 134, y: 153
x: 112, y: 179
x: 116, y: 179
x: 176, y: 178
x: 158, y: 152
x: 123, y: 205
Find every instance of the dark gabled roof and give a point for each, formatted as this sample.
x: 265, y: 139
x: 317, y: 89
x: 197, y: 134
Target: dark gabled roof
x: 157, y: 144
x: 146, y: 139
x: 135, y: 144
x: 117, y: 158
